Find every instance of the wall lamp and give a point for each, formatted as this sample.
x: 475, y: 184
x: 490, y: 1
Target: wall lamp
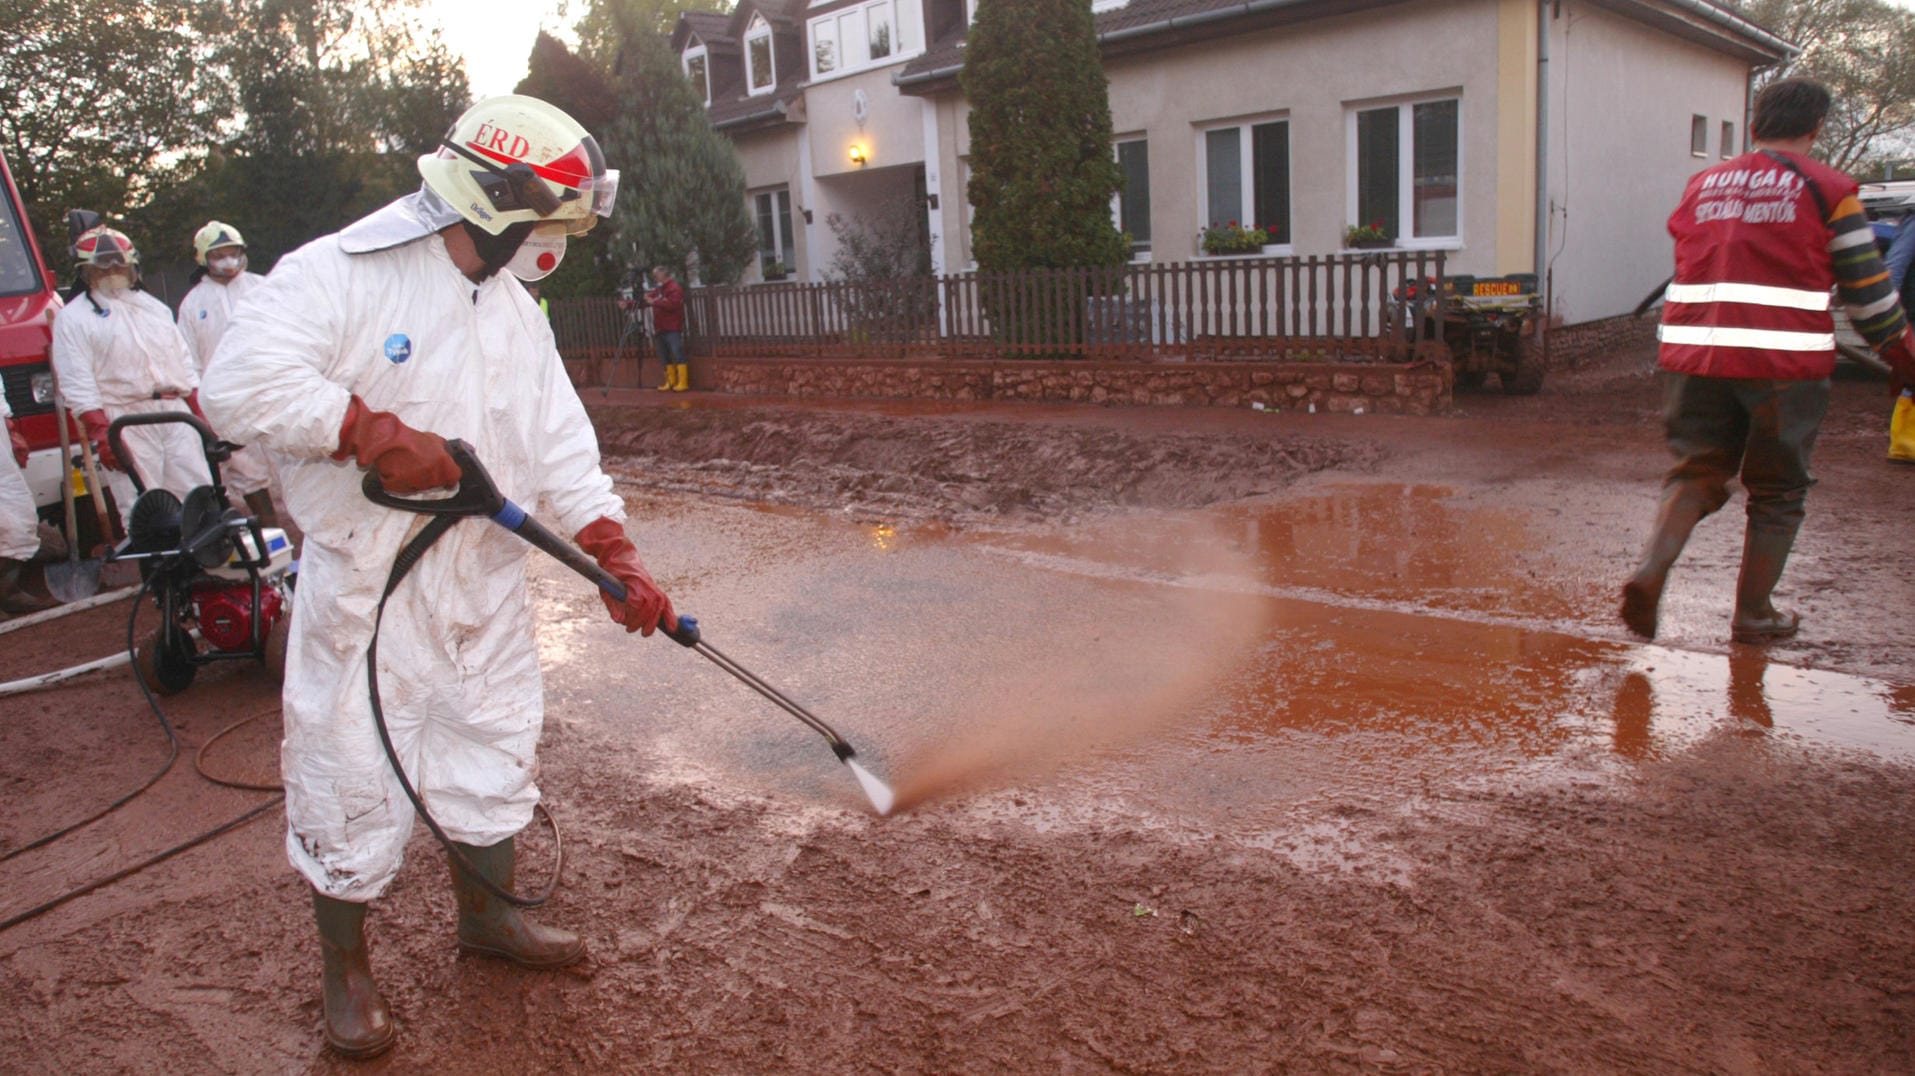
x: 858, y: 156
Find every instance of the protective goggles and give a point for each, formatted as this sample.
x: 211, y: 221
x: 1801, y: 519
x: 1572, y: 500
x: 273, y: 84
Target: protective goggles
x: 107, y: 259
x: 521, y: 186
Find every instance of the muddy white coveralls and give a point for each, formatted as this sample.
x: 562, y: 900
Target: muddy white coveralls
x: 123, y: 354
x: 380, y: 310
x: 19, y: 523
x: 204, y: 315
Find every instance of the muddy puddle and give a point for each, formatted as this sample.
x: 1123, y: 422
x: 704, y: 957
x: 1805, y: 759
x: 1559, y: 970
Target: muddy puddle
x: 1211, y: 669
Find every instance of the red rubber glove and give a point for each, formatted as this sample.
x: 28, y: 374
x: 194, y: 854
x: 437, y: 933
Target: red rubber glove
x: 192, y: 404
x: 19, y: 441
x: 95, y: 423
x: 645, y: 606
x: 407, y: 460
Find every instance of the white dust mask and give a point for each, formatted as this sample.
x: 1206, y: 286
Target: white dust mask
x: 539, y: 254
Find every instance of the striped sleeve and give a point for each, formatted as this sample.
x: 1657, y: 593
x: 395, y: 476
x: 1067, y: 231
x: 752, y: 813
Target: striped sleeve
x: 1861, y: 277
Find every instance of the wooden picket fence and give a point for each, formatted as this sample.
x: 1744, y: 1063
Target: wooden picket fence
x: 1344, y: 307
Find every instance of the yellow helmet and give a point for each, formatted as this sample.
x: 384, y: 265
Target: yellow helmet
x: 215, y: 234
x: 512, y: 159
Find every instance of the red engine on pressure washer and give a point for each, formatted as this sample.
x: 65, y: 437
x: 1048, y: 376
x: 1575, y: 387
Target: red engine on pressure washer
x: 225, y: 613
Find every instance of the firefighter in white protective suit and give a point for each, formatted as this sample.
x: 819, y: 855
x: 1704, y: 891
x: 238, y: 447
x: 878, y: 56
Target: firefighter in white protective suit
x: 221, y: 281
x: 19, y: 522
x: 119, y: 353
x: 369, y: 346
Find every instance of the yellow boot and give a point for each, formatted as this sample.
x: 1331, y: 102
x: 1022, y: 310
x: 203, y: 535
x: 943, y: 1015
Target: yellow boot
x: 681, y: 377
x: 1901, y: 429
x: 670, y: 380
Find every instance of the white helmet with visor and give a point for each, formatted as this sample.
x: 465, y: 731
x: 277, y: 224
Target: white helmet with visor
x: 516, y: 159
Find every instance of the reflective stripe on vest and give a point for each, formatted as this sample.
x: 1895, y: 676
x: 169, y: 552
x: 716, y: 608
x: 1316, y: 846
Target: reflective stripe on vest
x: 1752, y: 294
x: 1764, y: 339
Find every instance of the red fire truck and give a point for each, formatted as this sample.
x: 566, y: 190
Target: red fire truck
x: 28, y: 300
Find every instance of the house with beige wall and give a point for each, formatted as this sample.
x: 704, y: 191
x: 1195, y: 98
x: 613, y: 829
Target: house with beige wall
x: 1514, y: 135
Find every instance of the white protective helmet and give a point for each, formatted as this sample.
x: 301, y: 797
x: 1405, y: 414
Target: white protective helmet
x: 512, y: 159
x: 214, y: 235
x: 104, y: 248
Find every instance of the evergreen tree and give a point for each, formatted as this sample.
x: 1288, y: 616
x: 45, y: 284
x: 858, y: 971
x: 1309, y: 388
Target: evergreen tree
x: 681, y: 198
x: 1042, y: 170
x: 557, y: 76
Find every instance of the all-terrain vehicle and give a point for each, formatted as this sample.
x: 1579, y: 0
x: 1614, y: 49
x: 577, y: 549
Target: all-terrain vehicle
x: 1489, y: 325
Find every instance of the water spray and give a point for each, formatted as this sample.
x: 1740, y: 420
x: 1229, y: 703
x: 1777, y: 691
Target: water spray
x: 477, y: 495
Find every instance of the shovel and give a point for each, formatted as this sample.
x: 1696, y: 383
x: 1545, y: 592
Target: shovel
x: 73, y: 578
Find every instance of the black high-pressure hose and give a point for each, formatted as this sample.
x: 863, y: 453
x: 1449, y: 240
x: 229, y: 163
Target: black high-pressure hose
x: 402, y: 565
x: 172, y: 746
x: 173, y: 753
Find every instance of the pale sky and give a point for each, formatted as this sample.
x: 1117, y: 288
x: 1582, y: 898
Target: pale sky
x: 495, y: 36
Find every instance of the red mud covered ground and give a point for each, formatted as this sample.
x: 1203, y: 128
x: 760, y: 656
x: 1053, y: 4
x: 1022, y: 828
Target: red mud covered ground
x: 1238, y: 742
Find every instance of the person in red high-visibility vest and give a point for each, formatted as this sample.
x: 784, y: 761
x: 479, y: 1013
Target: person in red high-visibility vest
x: 1748, y: 344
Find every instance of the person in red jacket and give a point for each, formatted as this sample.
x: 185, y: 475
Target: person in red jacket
x: 1748, y: 344
x: 667, y: 301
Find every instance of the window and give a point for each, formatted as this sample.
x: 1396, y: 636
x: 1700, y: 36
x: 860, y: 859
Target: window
x: 1100, y: 6
x: 1426, y: 135
x: 868, y: 35
x: 696, y: 70
x: 824, y: 46
x: 1699, y: 136
x: 1247, y: 177
x: 774, y: 233
x: 1728, y: 140
x: 1131, y: 208
x: 758, y: 67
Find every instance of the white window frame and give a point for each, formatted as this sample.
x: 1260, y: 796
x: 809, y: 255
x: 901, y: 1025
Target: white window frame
x: 697, y: 51
x: 760, y: 29
x: 854, y: 50
x: 1098, y: 7
x: 1406, y: 168
x: 1136, y: 253
x: 779, y: 252
x: 1247, y: 180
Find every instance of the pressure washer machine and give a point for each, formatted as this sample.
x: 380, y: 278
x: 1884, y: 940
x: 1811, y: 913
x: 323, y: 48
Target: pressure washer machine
x: 222, y: 582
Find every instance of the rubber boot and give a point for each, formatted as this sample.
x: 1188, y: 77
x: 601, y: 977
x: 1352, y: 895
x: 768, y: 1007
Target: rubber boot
x: 16, y: 600
x: 1901, y: 430
x: 1765, y: 551
x: 671, y: 378
x: 358, y: 1023
x: 260, y: 503
x: 681, y: 377
x: 491, y: 926
x: 1676, y: 517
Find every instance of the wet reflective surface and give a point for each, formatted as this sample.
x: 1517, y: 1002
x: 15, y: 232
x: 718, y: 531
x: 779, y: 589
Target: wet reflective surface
x: 1209, y: 669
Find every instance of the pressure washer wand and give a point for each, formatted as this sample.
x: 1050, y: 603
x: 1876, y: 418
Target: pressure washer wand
x: 479, y: 496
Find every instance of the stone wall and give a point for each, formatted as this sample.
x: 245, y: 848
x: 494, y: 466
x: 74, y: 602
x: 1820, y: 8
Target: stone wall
x: 1571, y: 345
x: 1412, y: 389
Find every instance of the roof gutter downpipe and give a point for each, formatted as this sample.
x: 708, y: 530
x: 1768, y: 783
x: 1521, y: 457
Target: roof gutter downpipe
x: 1542, y: 140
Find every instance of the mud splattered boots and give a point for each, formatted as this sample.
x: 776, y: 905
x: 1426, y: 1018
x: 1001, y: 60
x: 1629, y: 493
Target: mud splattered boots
x: 15, y: 600
x: 357, y: 1021
x: 493, y: 927
x: 1676, y: 517
x: 1765, y: 550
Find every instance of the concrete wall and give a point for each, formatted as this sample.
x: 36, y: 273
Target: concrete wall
x: 1620, y: 100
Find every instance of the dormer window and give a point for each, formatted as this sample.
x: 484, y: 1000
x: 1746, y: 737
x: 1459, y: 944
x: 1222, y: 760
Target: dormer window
x: 872, y: 34
x: 758, y: 65
x: 697, y: 69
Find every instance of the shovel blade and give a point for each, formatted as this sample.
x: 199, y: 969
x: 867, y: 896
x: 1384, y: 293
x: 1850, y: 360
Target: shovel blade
x: 72, y: 580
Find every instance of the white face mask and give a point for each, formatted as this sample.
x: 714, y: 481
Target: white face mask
x: 541, y: 253
x: 226, y: 267
x: 114, y: 284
